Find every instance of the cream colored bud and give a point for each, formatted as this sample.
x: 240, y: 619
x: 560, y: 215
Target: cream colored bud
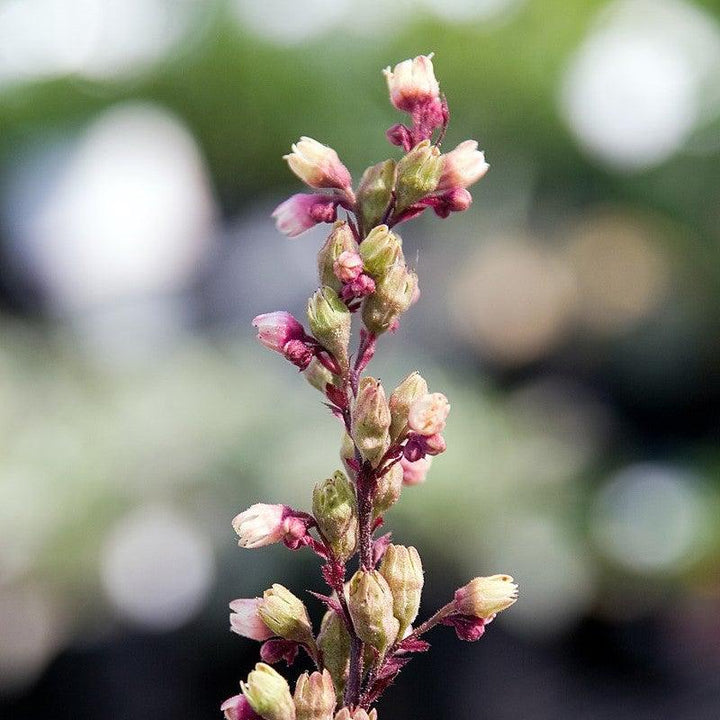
x: 318, y: 165
x: 314, y: 696
x: 334, y: 643
x: 484, y: 597
x: 358, y: 714
x: 380, y: 250
x: 318, y: 375
x: 393, y: 295
x: 329, y: 321
x: 418, y: 174
x: 375, y: 192
x: 371, y: 420
x: 286, y: 616
x: 403, y: 396
x: 402, y: 568
x: 340, y: 240
x: 387, y: 490
x: 370, y: 602
x: 335, y: 509
x: 347, y: 452
x: 269, y: 694
x: 428, y: 414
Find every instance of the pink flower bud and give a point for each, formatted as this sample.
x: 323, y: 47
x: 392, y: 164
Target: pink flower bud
x: 435, y: 444
x: 245, y: 621
x: 412, y: 83
x: 302, y: 211
x: 399, y: 135
x: 361, y: 287
x: 428, y: 414
x: 455, y: 200
x: 318, y: 165
x: 276, y: 329
x: 261, y: 524
x: 462, y: 167
x: 238, y: 708
x: 348, y: 266
x: 298, y: 353
x: 415, y: 473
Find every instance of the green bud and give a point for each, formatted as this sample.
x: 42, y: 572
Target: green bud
x: 411, y: 388
x: 286, y: 616
x: 334, y: 643
x: 335, y: 509
x: 340, y: 239
x: 318, y: 375
x: 329, y: 321
x: 269, y: 694
x: 418, y: 174
x: 402, y: 569
x: 380, y: 250
x: 375, y: 192
x: 392, y: 297
x: 371, y: 420
x: 370, y: 602
x: 314, y: 696
x: 387, y: 490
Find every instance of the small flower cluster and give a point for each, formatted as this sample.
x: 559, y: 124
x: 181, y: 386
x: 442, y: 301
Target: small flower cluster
x: 367, y: 634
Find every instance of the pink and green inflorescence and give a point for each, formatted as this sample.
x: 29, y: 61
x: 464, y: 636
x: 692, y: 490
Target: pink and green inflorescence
x: 367, y: 634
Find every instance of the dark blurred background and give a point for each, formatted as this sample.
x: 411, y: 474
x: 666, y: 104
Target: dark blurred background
x: 571, y: 316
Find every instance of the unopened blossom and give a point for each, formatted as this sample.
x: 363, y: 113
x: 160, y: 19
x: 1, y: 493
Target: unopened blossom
x: 245, y: 621
x: 318, y: 165
x: 428, y: 414
x: 435, y: 444
x: 348, y: 266
x: 484, y: 597
x: 412, y: 83
x: 276, y: 329
x: 269, y: 694
x: 238, y: 708
x: 302, y: 211
x: 358, y: 714
x: 462, y: 167
x: 415, y: 473
x: 261, y: 524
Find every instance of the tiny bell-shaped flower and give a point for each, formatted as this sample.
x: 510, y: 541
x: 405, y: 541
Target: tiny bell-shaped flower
x: 358, y: 714
x: 394, y: 293
x: 261, y: 524
x: 462, y: 167
x: 412, y: 83
x: 286, y: 616
x: 414, y: 473
x: 238, y: 708
x: 402, y: 568
x: 303, y: 211
x: 245, y: 620
x: 348, y: 266
x: 314, y: 696
x: 335, y: 510
x: 403, y: 396
x: 269, y: 694
x: 375, y: 192
x: 318, y: 165
x: 340, y: 240
x: 428, y: 414
x: 484, y: 597
x: 387, y: 490
x: 370, y: 602
x: 329, y: 321
x: 380, y: 250
x: 418, y: 174
x: 276, y: 329
x: 371, y: 420
x: 334, y: 643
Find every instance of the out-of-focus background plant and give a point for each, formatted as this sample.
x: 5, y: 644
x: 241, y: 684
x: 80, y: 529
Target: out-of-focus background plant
x: 574, y: 320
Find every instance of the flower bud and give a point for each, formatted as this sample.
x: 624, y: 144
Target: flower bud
x: 302, y: 211
x: 329, y: 321
x: 418, y: 174
x: 245, y: 620
x: 335, y: 509
x: 286, y: 616
x: 403, y: 396
x: 393, y: 295
x: 348, y: 266
x: 318, y: 375
x: 380, y: 250
x: 358, y: 714
x: 334, y: 643
x: 371, y: 420
x: 340, y: 240
x: 415, y: 473
x: 314, y: 696
x: 428, y: 414
x: 462, y: 167
x: 483, y: 597
x: 435, y: 444
x: 318, y: 165
x: 370, y: 602
x: 347, y: 453
x: 412, y: 82
x: 238, y: 708
x: 375, y: 193
x: 269, y: 694
x: 260, y: 524
x: 387, y: 490
x: 276, y: 329
x: 402, y: 569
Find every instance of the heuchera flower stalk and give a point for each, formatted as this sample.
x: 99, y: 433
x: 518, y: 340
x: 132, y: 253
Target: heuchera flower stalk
x: 387, y: 441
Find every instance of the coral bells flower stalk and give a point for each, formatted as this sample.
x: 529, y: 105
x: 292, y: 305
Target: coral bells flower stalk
x: 369, y: 631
